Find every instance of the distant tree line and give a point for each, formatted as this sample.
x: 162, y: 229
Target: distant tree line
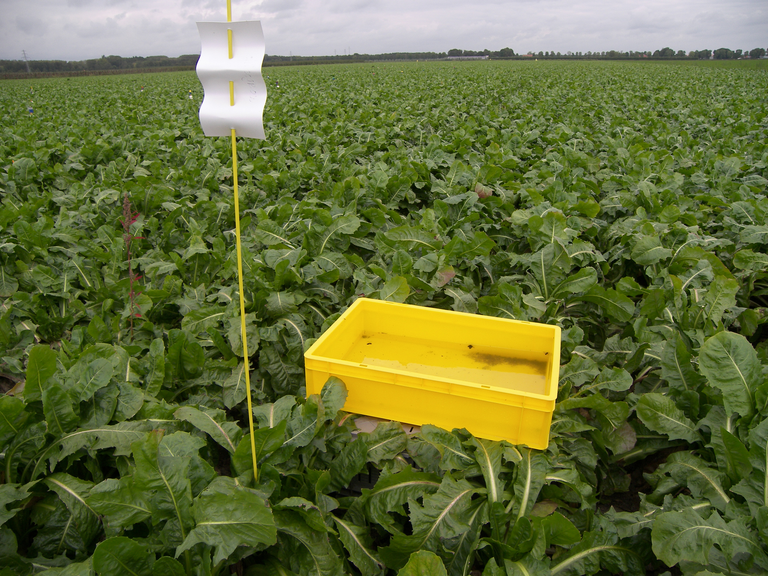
x: 116, y: 64
x: 503, y: 53
x: 664, y: 53
x: 98, y: 64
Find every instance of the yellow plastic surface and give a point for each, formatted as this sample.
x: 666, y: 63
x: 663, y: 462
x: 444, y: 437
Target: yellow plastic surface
x: 495, y: 377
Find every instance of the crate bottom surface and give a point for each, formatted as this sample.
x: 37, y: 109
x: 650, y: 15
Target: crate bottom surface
x: 489, y: 366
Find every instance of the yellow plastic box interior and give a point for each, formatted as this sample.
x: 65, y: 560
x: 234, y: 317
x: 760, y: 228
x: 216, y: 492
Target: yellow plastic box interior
x: 495, y: 377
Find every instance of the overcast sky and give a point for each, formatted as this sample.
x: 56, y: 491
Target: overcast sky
x: 82, y: 29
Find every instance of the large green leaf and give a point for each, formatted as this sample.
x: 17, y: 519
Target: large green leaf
x: 395, y: 289
x: 530, y: 476
x: 121, y: 556
x: 201, y: 319
x: 676, y: 365
x: 155, y: 367
x: 411, y: 237
x: 582, y: 281
x: 559, y: 530
x: 443, y: 515
x: 730, y: 364
x: 579, y: 370
x: 736, y: 455
x: 349, y: 462
x: 59, y: 413
x: 596, y: 550
x: 23, y: 449
x: 235, y: 387
x: 84, y: 568
x: 303, y: 424
x: 750, y: 260
x: 8, y: 284
x: 185, y: 356
x: 322, y: 556
x: 164, y: 478
x: 227, y: 516
x: 614, y: 379
x: 648, y: 250
x: 391, y: 492
x: 463, y: 246
x: 488, y: 455
x: 386, y: 441
x: 614, y: 305
x: 212, y: 422
x: 266, y: 441
x: 550, y: 265
x: 12, y: 418
x: 698, y: 476
x: 333, y: 395
x: 462, y: 548
x: 423, y: 563
x: 453, y: 455
x: 120, y: 437
x: 616, y: 412
x: 10, y: 493
x: 271, y: 414
x: 346, y: 224
x: 93, y: 377
x: 72, y: 492
x: 40, y: 367
x: 660, y: 414
x: 167, y: 566
x: 119, y: 503
x: 358, y: 544
x: 681, y: 536
x: 720, y: 296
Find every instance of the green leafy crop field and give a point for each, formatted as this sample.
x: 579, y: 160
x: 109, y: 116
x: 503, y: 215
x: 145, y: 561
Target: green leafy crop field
x: 624, y: 202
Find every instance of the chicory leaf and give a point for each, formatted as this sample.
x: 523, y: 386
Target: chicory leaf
x: 72, y: 492
x: 323, y: 558
x: 212, y: 422
x: 681, y: 536
x: 423, y: 563
x: 227, y: 516
x: 358, y: 544
x: 444, y: 515
x: 121, y: 556
x: 660, y: 414
x: 730, y: 364
x: 41, y: 366
x: 118, y: 501
x: 391, y: 492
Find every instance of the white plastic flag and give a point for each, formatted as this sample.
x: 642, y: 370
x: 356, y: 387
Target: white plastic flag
x: 240, y: 107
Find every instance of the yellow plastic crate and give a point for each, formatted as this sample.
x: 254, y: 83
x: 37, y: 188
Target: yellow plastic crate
x: 495, y: 377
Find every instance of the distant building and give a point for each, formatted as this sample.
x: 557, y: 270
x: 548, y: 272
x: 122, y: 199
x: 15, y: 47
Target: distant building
x: 467, y: 57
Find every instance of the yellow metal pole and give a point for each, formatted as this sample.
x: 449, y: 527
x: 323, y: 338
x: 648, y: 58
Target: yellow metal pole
x: 242, y: 306
x: 243, y: 335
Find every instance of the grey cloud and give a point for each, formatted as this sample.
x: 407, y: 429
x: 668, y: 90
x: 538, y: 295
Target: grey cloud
x: 277, y: 6
x: 30, y: 25
x: 80, y: 29
x: 90, y: 30
x: 202, y: 4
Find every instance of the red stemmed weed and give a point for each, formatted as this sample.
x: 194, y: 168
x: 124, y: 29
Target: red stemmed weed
x: 128, y: 218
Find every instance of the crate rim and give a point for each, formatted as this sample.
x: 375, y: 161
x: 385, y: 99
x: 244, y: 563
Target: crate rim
x: 313, y: 357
